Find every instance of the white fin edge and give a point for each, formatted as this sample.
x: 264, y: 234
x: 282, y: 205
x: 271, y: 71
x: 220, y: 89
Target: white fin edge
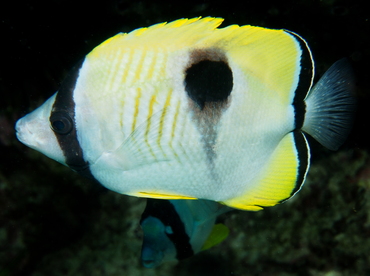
x: 330, y: 106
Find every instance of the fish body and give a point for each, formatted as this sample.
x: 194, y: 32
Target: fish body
x: 178, y: 229
x: 186, y: 110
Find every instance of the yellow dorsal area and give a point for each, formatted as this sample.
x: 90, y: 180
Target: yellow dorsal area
x: 277, y: 181
x: 174, y: 35
x: 271, y: 57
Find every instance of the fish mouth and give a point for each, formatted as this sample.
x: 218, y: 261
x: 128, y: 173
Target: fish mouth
x: 151, y: 258
x: 22, y: 131
x: 19, y: 130
x: 149, y: 263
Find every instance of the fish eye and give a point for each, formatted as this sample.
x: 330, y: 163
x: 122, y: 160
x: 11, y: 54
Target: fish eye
x: 61, y: 123
x: 168, y: 230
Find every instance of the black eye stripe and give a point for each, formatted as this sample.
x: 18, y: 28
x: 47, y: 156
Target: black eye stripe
x: 62, y: 120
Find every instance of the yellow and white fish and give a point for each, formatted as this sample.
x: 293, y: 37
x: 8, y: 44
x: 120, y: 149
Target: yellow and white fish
x: 186, y: 110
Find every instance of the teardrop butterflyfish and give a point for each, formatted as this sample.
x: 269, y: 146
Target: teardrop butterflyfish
x: 187, y: 110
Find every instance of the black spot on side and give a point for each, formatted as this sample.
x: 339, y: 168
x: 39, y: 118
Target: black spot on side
x: 303, y: 158
x: 64, y: 105
x: 304, y: 82
x: 208, y: 77
x: 165, y: 212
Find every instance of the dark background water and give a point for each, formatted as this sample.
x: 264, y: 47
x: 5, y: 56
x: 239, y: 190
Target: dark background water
x: 52, y: 222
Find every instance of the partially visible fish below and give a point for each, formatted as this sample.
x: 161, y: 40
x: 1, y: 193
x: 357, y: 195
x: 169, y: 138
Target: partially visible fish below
x: 178, y: 229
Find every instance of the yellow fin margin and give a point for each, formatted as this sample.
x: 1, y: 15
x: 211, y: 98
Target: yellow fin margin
x: 162, y: 196
x: 218, y: 234
x: 279, y: 179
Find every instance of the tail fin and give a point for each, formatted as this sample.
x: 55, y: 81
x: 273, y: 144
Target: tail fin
x: 330, y: 106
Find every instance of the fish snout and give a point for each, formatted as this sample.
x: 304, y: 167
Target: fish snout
x: 151, y: 258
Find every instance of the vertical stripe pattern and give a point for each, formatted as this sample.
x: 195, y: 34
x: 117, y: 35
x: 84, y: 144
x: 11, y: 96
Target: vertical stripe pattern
x: 305, y: 81
x: 64, y: 104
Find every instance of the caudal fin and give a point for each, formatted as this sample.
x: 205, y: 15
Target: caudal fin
x: 330, y: 106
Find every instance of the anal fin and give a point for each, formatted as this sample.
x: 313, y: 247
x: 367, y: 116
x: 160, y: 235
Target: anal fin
x: 281, y: 178
x: 163, y: 195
